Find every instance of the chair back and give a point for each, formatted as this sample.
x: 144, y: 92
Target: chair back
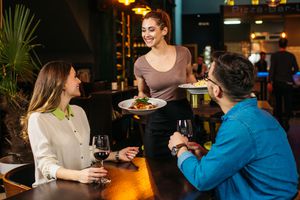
x: 18, y: 180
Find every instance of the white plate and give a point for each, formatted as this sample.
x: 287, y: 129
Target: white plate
x: 194, y: 89
x: 127, y: 103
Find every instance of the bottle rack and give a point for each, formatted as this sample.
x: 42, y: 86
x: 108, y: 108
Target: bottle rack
x: 123, y: 44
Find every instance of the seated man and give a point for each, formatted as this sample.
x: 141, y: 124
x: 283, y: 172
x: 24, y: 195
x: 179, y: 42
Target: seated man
x: 251, y: 158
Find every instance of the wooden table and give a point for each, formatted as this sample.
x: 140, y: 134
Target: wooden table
x: 141, y: 179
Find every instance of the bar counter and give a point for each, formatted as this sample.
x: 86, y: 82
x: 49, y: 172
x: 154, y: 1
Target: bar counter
x: 141, y: 179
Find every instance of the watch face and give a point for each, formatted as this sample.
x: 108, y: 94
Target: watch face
x: 174, y: 151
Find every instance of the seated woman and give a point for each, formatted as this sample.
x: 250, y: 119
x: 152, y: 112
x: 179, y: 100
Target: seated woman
x: 59, y: 133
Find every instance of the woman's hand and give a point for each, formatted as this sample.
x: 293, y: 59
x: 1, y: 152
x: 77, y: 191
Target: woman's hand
x: 128, y: 153
x: 92, y: 174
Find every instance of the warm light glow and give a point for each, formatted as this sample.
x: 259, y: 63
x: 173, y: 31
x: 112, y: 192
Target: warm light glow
x: 273, y: 3
x: 232, y: 21
x: 230, y: 2
x: 255, y: 2
x: 143, y: 10
x: 258, y: 21
x: 252, y: 36
x: 283, y: 35
x: 126, y: 2
x: 283, y: 1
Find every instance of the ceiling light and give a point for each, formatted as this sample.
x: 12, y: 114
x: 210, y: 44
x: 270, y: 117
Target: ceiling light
x: 126, y: 2
x: 273, y: 3
x: 229, y: 2
x: 232, y: 21
x: 258, y: 21
x: 283, y: 35
x: 254, y: 2
x: 141, y: 8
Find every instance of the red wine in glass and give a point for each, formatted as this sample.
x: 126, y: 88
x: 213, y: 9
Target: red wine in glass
x: 101, y: 155
x: 101, y: 148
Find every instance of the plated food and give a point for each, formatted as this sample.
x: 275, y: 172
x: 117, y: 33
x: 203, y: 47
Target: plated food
x: 142, y: 106
x: 200, y: 83
x: 199, y: 87
x: 142, y: 103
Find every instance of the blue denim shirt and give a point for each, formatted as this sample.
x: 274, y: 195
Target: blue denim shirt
x: 251, y: 158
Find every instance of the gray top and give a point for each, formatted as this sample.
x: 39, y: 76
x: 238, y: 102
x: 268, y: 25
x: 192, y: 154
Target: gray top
x: 164, y: 85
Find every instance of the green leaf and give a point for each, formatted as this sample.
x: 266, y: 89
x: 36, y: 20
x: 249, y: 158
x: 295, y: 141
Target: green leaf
x: 18, y: 59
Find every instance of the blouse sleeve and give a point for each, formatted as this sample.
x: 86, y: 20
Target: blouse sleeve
x: 46, y: 159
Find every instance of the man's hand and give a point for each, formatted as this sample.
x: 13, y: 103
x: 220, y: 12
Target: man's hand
x: 177, y: 138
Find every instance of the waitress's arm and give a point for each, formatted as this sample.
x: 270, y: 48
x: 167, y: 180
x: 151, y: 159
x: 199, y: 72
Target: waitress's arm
x: 190, y: 78
x: 143, y: 90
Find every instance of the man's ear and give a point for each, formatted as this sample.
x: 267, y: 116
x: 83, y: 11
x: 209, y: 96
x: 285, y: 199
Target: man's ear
x: 217, y: 91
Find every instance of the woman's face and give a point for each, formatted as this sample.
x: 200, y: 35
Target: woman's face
x: 152, y: 33
x: 71, y: 88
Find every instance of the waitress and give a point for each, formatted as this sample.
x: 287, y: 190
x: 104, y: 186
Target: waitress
x: 158, y: 74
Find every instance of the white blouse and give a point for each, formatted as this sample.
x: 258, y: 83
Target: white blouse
x: 59, y: 143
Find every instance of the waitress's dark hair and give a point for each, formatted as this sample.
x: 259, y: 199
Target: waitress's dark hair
x: 235, y: 73
x: 163, y: 20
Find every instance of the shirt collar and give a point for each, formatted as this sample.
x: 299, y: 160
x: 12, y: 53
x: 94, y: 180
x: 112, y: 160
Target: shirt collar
x: 59, y: 114
x: 249, y: 102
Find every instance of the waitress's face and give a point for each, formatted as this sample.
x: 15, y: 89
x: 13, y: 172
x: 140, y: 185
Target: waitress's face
x: 71, y: 88
x: 152, y: 33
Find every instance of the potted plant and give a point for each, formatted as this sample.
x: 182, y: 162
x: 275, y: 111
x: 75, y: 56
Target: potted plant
x: 18, y: 63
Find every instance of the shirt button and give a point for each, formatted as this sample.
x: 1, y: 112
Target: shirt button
x: 81, y: 157
x: 80, y: 144
x: 75, y: 131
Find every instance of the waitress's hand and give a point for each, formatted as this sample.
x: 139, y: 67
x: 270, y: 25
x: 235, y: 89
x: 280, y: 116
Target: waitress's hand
x: 91, y: 175
x: 128, y: 153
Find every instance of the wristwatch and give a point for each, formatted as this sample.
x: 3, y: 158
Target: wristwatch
x: 176, y: 148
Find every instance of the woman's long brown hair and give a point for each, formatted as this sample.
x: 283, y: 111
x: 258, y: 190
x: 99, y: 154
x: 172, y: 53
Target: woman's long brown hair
x: 47, y: 90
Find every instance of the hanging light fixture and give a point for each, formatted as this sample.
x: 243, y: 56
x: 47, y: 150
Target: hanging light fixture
x: 126, y: 2
x: 254, y: 2
x: 283, y: 35
x: 229, y: 2
x: 273, y: 3
x: 283, y: 1
x: 141, y: 8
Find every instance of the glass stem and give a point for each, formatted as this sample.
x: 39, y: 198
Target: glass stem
x: 101, y: 163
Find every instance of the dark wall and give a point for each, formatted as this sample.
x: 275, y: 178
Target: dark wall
x: 80, y: 31
x: 203, y: 30
x: 237, y: 33
x: 59, y: 32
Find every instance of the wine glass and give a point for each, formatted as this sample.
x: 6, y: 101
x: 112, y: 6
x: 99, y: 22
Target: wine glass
x: 101, y: 149
x: 185, y: 127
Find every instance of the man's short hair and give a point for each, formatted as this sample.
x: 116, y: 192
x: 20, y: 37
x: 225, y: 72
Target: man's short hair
x: 235, y: 73
x: 283, y: 42
x: 262, y: 53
